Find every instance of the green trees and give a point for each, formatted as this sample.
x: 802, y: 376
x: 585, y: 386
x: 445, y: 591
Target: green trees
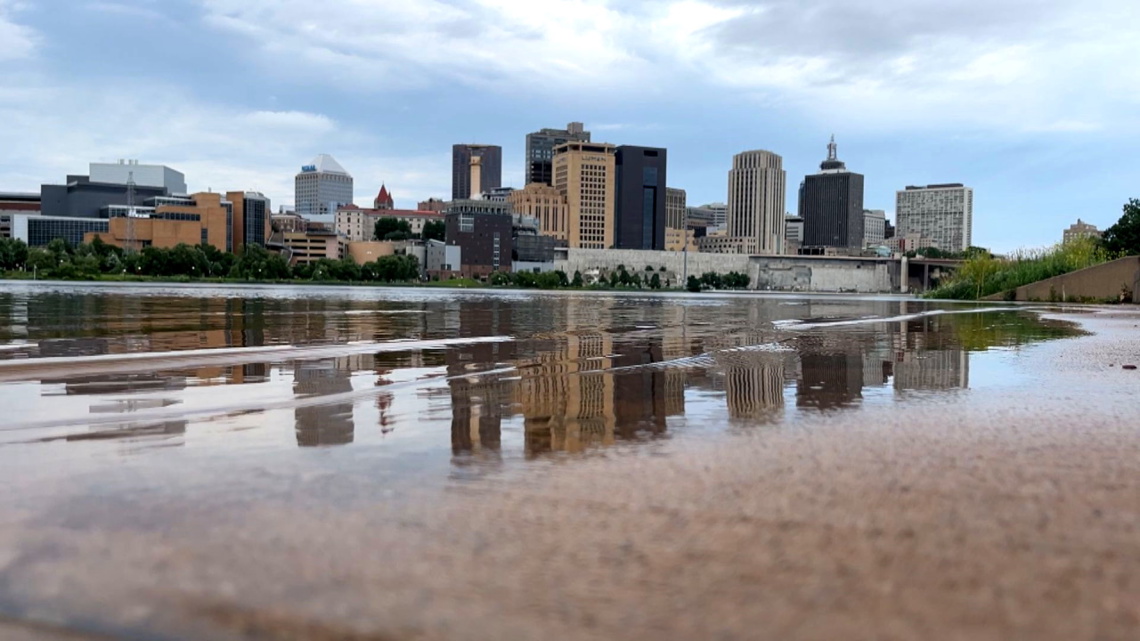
x: 434, y: 230
x: 1123, y: 238
x: 655, y: 281
x: 577, y: 282
x: 388, y: 228
x: 693, y: 284
x: 13, y: 254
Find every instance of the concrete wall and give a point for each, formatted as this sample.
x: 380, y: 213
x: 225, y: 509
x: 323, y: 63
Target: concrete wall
x: 1100, y: 283
x: 780, y: 273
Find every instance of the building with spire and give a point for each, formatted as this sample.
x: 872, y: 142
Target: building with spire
x: 831, y: 204
x: 383, y: 199
x: 321, y: 188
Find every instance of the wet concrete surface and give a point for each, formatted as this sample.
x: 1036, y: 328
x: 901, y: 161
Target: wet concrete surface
x: 1015, y: 515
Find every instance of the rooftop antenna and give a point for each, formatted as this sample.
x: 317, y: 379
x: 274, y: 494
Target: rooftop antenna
x: 832, y: 149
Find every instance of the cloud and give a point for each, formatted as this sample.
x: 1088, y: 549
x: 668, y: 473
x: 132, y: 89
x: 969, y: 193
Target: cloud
x: 1016, y: 65
x: 17, y: 41
x: 59, y: 129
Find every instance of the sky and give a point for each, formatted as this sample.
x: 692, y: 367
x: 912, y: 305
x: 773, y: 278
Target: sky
x: 1033, y: 103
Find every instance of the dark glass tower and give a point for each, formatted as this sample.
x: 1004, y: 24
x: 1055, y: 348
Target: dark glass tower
x: 640, y: 198
x: 491, y: 157
x: 831, y: 204
x: 540, y: 150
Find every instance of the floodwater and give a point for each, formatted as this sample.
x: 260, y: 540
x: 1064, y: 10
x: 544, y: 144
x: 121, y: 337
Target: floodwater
x: 185, y: 462
x: 436, y: 385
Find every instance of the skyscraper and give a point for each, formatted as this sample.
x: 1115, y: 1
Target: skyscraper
x: 321, y: 187
x: 874, y: 227
x: 755, y: 212
x: 584, y: 174
x: 831, y: 204
x: 540, y: 150
x: 640, y: 197
x: 941, y: 213
x: 491, y: 170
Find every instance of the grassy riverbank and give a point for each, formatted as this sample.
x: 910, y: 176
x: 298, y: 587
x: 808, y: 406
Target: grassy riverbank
x: 984, y: 275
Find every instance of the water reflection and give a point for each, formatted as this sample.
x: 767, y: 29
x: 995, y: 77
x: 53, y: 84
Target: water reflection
x: 571, y: 373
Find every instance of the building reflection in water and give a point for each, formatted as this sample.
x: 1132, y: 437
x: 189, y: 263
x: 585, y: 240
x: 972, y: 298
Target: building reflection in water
x: 753, y: 384
x: 326, y: 423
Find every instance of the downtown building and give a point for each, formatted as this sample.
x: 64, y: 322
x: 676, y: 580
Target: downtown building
x: 874, y: 227
x: 585, y: 174
x: 464, y: 158
x: 546, y: 204
x: 540, y: 150
x: 754, y: 215
x: 831, y: 204
x: 941, y: 215
x: 640, y: 195
x: 321, y: 188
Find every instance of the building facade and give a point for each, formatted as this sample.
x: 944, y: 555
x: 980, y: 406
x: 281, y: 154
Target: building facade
x: 793, y: 234
x: 547, y: 204
x: 482, y: 230
x: 490, y: 161
x: 86, y: 197
x: 831, y: 204
x: 150, y: 176
x: 359, y: 225
x: 874, y: 227
x: 37, y: 230
x: 321, y: 187
x: 756, y: 197
x: 585, y: 174
x: 309, y: 246
x: 676, y: 208
x: 540, y: 150
x: 252, y: 221
x: 639, y: 203
x: 203, y: 218
x: 1080, y: 229
x: 944, y: 214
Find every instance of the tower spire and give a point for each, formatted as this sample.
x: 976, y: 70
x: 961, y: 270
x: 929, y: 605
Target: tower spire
x: 832, y: 149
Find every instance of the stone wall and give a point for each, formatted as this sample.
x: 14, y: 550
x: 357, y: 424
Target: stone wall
x: 778, y: 273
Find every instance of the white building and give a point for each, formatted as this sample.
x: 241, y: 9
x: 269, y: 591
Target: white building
x: 119, y: 173
x: 793, y: 233
x: 321, y: 187
x: 942, y: 213
x: 874, y: 227
x: 756, y: 198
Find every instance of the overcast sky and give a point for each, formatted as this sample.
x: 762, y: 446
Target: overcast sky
x: 1033, y: 103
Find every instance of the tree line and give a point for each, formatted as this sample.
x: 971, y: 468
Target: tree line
x: 97, y: 259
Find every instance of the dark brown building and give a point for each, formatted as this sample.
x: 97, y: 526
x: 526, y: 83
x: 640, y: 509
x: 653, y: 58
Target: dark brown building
x: 482, y: 230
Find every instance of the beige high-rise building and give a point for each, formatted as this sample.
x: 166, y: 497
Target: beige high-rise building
x: 756, y: 198
x: 547, y: 204
x: 584, y: 174
x: 675, y: 207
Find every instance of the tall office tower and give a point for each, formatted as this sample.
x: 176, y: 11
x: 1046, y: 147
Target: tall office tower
x: 941, y: 213
x: 874, y: 227
x: 490, y: 161
x: 640, y: 197
x: 831, y: 204
x: 584, y: 174
x: 545, y: 203
x: 755, y: 212
x: 540, y: 150
x: 250, y: 221
x: 321, y: 187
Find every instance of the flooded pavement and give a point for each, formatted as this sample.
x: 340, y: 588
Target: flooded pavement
x: 307, y: 462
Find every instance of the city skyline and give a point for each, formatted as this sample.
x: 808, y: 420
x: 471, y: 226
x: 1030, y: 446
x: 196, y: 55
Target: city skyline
x: 249, y: 120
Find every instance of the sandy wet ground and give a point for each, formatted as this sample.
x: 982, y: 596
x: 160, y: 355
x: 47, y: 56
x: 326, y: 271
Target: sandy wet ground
x: 1015, y: 517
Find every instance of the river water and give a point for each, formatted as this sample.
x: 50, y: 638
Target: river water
x: 109, y: 383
